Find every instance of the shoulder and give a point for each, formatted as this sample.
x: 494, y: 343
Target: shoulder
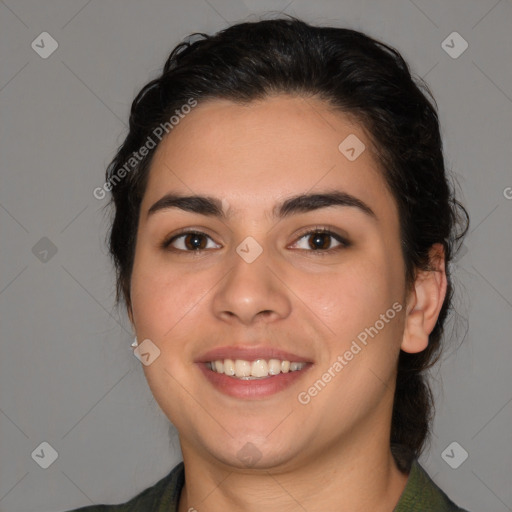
x: 162, y: 496
x: 421, y: 494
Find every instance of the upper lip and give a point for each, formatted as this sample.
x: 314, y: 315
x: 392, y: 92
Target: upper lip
x: 249, y: 354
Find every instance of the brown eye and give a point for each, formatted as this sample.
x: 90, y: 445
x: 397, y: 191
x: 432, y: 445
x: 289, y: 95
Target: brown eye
x: 190, y: 241
x: 321, y: 240
x: 194, y: 241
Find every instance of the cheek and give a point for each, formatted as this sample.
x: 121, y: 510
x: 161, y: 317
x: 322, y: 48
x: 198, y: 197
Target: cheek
x: 162, y: 295
x: 353, y: 297
x: 360, y: 307
x: 165, y: 301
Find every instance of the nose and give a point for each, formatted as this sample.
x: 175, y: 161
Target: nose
x: 252, y: 292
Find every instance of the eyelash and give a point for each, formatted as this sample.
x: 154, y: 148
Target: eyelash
x: 344, y: 243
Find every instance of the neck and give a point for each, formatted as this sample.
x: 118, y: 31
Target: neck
x: 353, y: 475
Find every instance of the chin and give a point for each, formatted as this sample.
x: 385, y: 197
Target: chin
x: 251, y: 454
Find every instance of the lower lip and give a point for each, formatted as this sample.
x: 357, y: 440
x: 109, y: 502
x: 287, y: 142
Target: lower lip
x: 251, y: 389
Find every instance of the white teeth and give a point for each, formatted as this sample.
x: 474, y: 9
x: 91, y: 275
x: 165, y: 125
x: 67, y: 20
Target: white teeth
x: 242, y: 368
x: 258, y: 369
x: 274, y: 366
x: 229, y: 367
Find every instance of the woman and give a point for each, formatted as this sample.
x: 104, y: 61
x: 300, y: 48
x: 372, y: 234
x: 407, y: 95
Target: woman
x: 282, y: 234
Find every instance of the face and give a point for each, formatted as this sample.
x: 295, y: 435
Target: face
x: 255, y: 277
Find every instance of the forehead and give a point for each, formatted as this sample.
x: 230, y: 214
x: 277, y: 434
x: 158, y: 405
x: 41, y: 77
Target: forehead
x: 261, y: 152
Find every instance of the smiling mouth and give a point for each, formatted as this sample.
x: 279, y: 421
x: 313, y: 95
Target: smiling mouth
x: 253, y: 370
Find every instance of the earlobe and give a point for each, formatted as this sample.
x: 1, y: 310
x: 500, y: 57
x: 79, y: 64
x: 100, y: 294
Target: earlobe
x: 415, y: 337
x: 130, y: 315
x: 425, y: 302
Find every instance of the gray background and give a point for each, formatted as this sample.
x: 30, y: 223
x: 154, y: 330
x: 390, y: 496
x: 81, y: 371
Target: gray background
x: 67, y: 374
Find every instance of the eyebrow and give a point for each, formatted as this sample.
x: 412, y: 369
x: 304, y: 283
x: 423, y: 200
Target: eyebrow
x: 212, y: 206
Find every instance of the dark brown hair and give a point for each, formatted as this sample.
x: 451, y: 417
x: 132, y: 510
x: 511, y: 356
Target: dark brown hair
x: 353, y: 73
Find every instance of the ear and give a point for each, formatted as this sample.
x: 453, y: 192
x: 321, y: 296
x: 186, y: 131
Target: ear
x: 130, y: 315
x: 425, y: 302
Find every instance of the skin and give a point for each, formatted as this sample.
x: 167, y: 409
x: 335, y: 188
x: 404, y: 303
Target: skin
x: 332, y: 453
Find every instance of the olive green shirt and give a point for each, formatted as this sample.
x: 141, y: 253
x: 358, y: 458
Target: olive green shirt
x: 421, y: 494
